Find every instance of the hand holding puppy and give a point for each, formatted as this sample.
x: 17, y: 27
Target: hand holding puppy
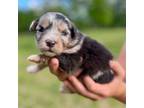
x: 86, y: 87
x: 89, y: 88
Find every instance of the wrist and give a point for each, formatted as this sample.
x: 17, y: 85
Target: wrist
x: 121, y: 93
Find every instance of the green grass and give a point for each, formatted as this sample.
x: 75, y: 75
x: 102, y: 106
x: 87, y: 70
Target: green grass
x: 41, y: 90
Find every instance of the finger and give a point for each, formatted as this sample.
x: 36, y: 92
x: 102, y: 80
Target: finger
x: 102, y: 90
x: 117, y: 68
x: 92, y: 86
x: 53, y: 65
x: 82, y: 90
x: 62, y: 75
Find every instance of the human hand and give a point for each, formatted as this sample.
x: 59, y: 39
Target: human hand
x: 95, y: 91
x: 90, y: 89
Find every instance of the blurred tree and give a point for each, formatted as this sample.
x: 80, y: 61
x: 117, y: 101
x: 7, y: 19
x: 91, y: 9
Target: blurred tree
x: 53, y: 6
x: 101, y: 13
x: 84, y: 13
x: 25, y: 19
x: 120, y: 13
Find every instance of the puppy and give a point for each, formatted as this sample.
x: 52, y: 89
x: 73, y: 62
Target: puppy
x: 56, y: 36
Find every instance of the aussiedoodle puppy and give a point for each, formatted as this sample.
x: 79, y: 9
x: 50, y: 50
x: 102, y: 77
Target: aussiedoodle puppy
x: 56, y: 36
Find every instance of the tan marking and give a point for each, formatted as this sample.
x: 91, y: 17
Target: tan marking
x: 62, y: 26
x: 59, y: 45
x: 97, y: 75
x: 44, y: 23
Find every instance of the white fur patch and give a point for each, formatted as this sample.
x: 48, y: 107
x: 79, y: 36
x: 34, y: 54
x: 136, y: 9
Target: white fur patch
x: 33, y: 68
x: 98, y: 74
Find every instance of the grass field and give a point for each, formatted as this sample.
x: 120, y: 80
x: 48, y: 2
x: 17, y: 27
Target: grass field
x: 41, y: 90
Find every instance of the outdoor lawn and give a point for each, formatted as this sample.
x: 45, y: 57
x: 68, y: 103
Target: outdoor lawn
x: 41, y: 90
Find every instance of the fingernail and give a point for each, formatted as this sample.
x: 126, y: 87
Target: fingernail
x: 55, y: 61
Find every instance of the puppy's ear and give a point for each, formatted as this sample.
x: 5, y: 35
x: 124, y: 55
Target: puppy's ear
x: 74, y: 31
x: 33, y: 25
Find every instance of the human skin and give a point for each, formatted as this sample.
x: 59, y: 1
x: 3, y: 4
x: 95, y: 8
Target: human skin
x: 92, y: 90
x: 122, y: 60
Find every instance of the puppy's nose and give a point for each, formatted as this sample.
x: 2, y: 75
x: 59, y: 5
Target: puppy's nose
x: 50, y: 43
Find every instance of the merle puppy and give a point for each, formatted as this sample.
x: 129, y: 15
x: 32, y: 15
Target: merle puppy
x: 56, y: 36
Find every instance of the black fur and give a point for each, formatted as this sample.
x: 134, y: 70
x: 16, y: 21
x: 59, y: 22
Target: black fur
x: 92, y: 57
x: 73, y: 32
x: 61, y: 17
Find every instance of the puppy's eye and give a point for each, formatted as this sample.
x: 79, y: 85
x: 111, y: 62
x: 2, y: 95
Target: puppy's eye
x: 41, y: 29
x: 64, y: 33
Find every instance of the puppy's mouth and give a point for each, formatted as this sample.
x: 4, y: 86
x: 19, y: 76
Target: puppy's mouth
x: 48, y: 52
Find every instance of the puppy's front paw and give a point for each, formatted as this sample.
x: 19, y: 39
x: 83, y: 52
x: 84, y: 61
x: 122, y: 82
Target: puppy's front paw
x: 34, y: 58
x: 41, y: 59
x: 35, y: 68
x: 32, y: 69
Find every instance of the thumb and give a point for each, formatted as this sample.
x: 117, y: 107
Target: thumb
x: 118, y: 70
x: 53, y: 65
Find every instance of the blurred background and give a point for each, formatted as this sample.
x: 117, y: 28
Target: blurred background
x: 103, y: 20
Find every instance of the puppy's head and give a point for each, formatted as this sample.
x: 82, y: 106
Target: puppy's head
x: 55, y: 34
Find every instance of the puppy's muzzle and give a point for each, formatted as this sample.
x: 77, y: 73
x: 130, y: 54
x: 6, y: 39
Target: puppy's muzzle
x: 50, y: 43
